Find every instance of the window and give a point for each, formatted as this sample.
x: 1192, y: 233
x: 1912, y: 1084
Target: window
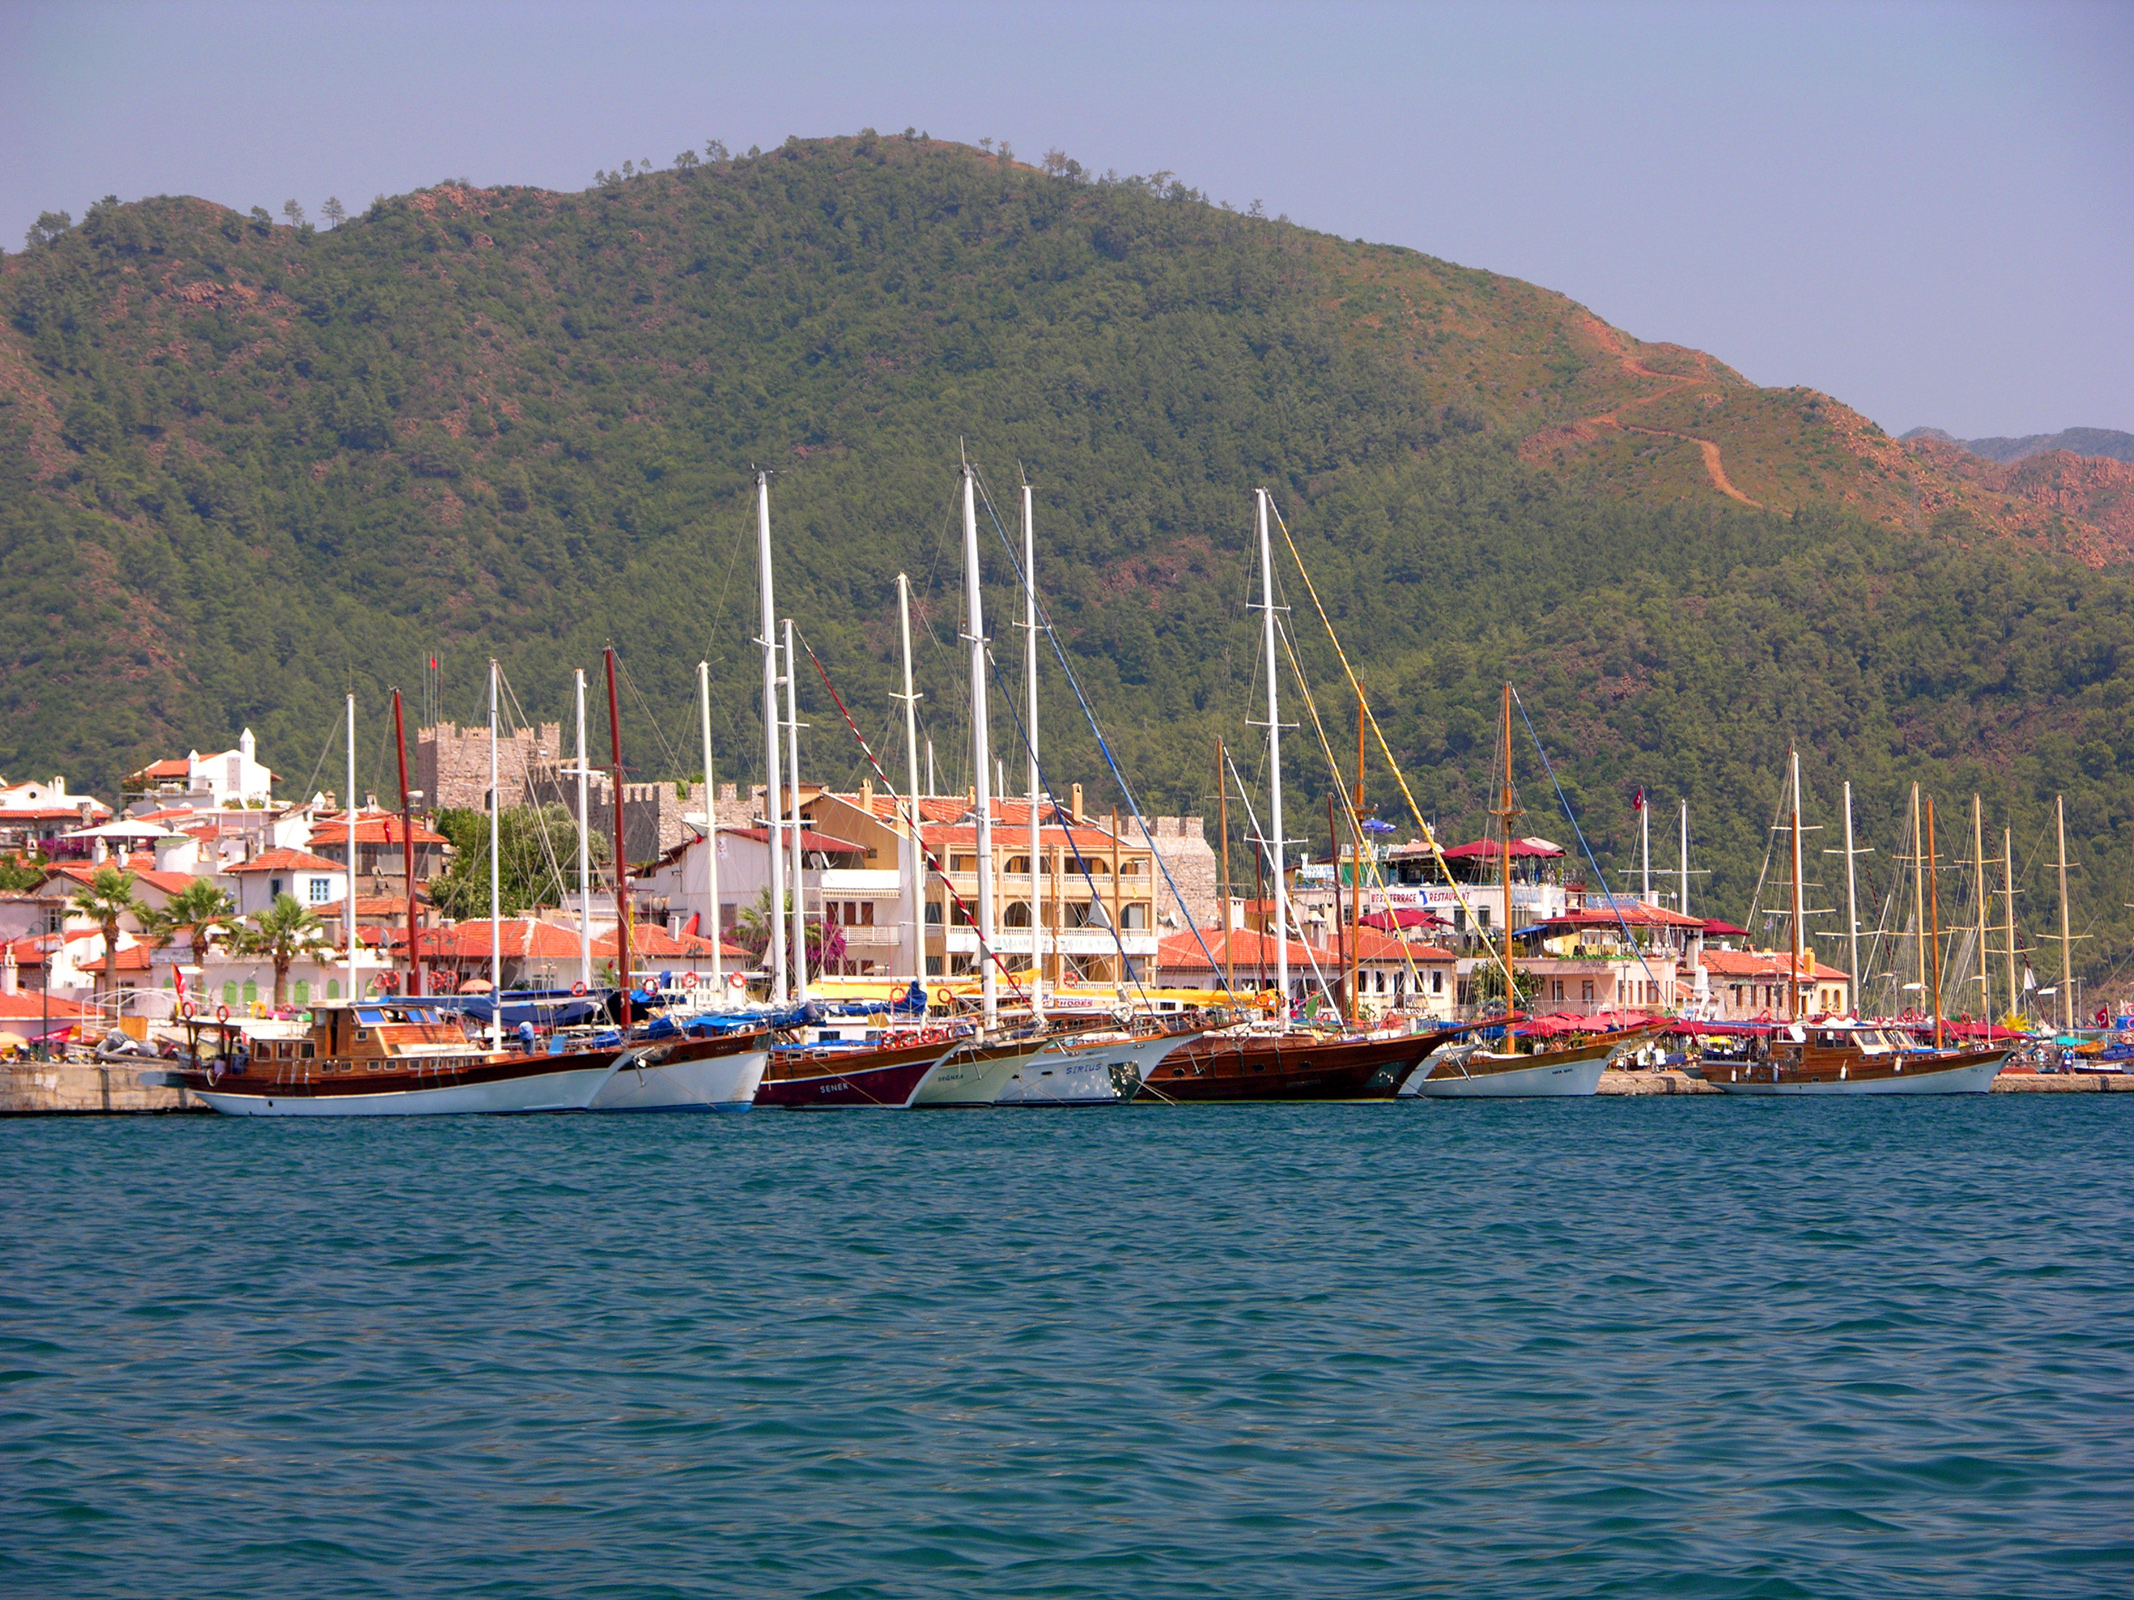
x: 1482, y: 918
x: 251, y: 991
x: 1133, y: 915
x: 933, y: 913
x: 333, y: 985
x: 1381, y: 983
x: 321, y: 890
x: 1437, y: 981
x: 274, y: 888
x: 933, y: 966
x: 1558, y: 989
x: 1585, y: 991
x: 303, y: 988
x: 867, y: 914
x: 229, y: 993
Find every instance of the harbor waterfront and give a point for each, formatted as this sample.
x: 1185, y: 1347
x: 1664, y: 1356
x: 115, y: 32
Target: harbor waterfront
x: 1515, y: 1348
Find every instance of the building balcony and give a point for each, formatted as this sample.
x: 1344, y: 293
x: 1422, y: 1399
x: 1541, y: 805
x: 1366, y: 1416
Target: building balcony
x: 1066, y: 941
x: 858, y: 881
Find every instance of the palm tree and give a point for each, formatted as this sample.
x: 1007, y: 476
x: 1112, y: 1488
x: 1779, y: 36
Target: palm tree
x: 193, y: 911
x: 108, y: 899
x: 281, y: 933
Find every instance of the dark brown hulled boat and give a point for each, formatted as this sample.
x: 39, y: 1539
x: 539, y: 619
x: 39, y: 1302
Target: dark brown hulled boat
x: 1832, y: 1058
x: 807, y: 1076
x: 1291, y: 1066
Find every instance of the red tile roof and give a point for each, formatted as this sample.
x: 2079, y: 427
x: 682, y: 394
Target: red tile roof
x: 809, y: 840
x: 133, y: 958
x: 289, y: 861
x: 519, y: 938
x: 372, y: 827
x: 1767, y: 964
x: 30, y: 1007
x: 173, y: 767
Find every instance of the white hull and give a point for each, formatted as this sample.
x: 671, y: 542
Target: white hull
x: 1093, y: 1074
x: 1976, y: 1078
x: 714, y: 1083
x: 572, y: 1089
x: 1552, y: 1080
x: 959, y: 1081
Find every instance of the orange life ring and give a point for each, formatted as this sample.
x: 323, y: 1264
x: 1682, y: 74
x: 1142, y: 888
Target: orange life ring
x: 689, y: 980
x: 735, y: 981
x: 188, y: 1011
x: 577, y: 988
x: 222, y: 1013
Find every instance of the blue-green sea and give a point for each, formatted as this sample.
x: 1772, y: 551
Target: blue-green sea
x: 1664, y: 1347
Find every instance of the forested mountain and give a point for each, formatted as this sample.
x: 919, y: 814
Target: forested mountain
x: 246, y: 465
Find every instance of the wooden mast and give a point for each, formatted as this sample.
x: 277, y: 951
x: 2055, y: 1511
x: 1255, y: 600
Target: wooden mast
x: 407, y: 851
x: 1341, y: 955
x: 916, y: 878
x: 1934, y: 913
x: 622, y: 859
x: 1852, y: 904
x: 1222, y: 827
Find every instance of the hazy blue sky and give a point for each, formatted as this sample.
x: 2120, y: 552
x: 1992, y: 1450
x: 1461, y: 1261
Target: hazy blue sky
x: 1927, y: 210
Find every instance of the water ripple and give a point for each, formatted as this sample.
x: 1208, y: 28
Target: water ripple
x: 1651, y: 1348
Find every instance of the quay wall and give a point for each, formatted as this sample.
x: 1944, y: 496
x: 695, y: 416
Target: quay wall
x: 84, y: 1088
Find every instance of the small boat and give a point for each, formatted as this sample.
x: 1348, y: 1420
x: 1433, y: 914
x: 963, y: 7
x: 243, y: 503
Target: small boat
x: 880, y: 1074
x: 972, y: 1073
x: 384, y: 1059
x: 1571, y: 1069
x: 717, y: 1072
x: 1830, y: 1057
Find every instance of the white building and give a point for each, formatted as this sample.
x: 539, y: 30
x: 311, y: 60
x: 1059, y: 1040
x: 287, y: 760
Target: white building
x: 228, y: 779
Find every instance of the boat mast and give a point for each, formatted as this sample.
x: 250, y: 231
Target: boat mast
x: 1919, y: 902
x: 981, y: 756
x: 622, y: 859
x: 1697, y: 992
x: 2008, y: 898
x: 1341, y: 917
x: 917, y: 877
x: 496, y: 913
x: 1511, y: 981
x: 1037, y: 883
x: 1645, y: 844
x: 2067, y: 944
x: 585, y: 851
x: 407, y: 848
x: 1934, y: 913
x: 1274, y: 760
x: 1852, y: 904
x: 349, y: 916
x: 1794, y: 757
x: 792, y: 756
x: 711, y: 830
x: 1356, y: 875
x: 1978, y: 896
x: 773, y: 812
x: 1222, y: 828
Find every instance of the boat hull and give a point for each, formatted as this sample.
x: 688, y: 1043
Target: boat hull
x: 823, y: 1079
x: 1967, y: 1076
x: 1544, y: 1080
x: 970, y: 1078
x: 1095, y: 1074
x: 725, y: 1080
x: 567, y: 1089
x: 1277, y: 1067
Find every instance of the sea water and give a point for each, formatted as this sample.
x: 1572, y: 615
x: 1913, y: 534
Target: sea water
x: 1612, y: 1347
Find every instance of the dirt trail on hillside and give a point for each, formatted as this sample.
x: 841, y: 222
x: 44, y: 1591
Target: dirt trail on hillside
x: 1714, y: 467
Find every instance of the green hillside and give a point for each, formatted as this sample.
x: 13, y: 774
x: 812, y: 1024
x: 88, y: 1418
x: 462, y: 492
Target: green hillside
x: 246, y: 465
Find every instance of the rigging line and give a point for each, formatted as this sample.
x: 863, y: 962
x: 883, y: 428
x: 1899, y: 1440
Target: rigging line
x: 1118, y: 936
x: 1355, y: 821
x: 1044, y: 618
x: 512, y: 715
x: 1259, y: 838
x: 1429, y: 833
x: 667, y: 746
x: 1563, y: 800
x: 933, y: 862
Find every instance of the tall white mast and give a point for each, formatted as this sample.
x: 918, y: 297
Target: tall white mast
x: 773, y: 812
x: 981, y: 756
x: 917, y: 877
x: 711, y: 829
x: 1852, y: 904
x: 1798, y: 912
x: 1037, y: 865
x: 1697, y: 989
x: 1645, y: 843
x: 496, y: 903
x: 1978, y: 896
x: 2067, y: 944
x: 1274, y: 759
x: 350, y: 897
x: 792, y: 753
x: 585, y: 853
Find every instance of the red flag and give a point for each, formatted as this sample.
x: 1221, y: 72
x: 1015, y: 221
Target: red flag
x: 433, y: 663
x: 1637, y: 801
x: 696, y: 920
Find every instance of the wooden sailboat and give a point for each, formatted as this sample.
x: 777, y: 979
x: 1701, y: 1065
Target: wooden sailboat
x: 1837, y: 1056
x: 1519, y: 1071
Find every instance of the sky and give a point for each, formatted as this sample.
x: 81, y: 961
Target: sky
x: 1924, y: 210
